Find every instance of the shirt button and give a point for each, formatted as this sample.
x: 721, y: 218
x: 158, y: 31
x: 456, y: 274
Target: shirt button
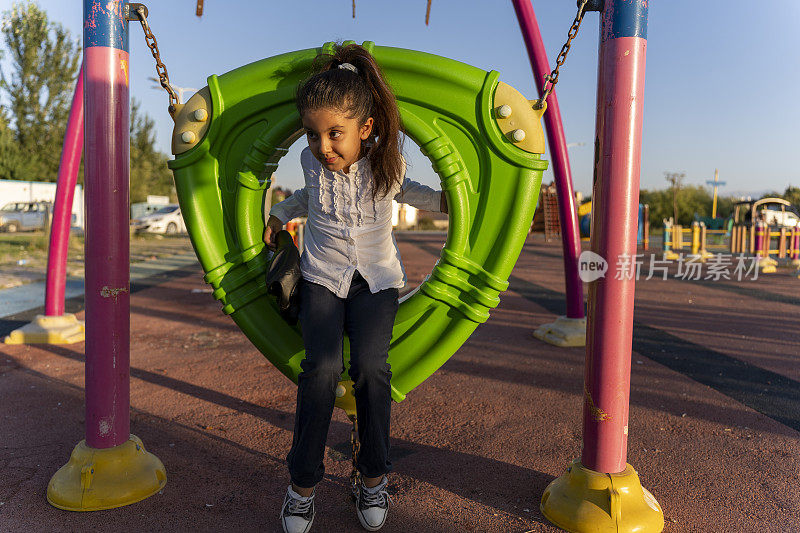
x: 350, y: 240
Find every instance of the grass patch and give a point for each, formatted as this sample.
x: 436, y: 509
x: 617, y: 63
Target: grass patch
x: 24, y: 241
x: 31, y: 247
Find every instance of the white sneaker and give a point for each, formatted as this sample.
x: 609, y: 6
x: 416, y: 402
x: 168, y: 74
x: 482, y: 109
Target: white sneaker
x: 372, y: 505
x: 297, y: 513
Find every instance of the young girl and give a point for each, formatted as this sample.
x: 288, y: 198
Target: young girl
x: 351, y: 267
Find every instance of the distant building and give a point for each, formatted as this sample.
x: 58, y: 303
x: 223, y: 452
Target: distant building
x: 403, y: 215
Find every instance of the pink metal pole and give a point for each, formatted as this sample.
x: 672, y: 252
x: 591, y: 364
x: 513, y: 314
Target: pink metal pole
x: 106, y: 167
x: 620, y: 91
x: 760, y: 238
x: 570, y: 235
x: 62, y: 211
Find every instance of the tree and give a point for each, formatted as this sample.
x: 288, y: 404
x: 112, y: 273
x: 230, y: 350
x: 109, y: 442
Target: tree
x: 692, y: 200
x: 792, y: 194
x: 44, y: 63
x: 675, y: 179
x: 39, y: 89
x: 149, y: 171
x: 725, y: 206
x: 10, y: 157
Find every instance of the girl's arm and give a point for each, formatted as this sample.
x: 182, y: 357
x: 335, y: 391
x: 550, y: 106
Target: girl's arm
x: 421, y: 196
x: 294, y: 206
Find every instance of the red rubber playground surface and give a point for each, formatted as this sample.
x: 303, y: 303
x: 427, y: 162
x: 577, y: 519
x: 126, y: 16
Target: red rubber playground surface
x: 714, y: 418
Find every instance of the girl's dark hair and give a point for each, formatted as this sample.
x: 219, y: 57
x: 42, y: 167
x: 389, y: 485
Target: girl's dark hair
x: 359, y: 95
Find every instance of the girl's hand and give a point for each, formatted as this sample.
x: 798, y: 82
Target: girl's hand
x: 443, y: 203
x: 274, y: 225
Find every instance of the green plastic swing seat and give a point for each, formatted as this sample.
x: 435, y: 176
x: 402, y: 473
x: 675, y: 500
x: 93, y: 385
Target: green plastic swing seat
x: 483, y: 138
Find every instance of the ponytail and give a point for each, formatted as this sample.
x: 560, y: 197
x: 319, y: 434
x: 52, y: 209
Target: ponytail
x: 360, y: 92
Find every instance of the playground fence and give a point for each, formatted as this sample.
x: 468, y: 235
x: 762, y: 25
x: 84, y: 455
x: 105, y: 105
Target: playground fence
x: 748, y: 239
x: 781, y: 242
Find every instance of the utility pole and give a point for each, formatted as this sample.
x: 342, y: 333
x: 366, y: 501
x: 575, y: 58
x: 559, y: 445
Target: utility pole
x: 715, y: 183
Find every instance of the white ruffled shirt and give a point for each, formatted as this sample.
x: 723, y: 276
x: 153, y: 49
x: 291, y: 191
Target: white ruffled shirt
x: 348, y: 230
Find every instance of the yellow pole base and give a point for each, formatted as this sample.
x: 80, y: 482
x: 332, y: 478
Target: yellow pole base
x: 767, y: 265
x: 564, y: 332
x: 64, y: 329
x: 669, y: 255
x: 96, y: 479
x: 584, y: 501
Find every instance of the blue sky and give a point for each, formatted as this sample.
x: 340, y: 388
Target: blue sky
x: 721, y: 82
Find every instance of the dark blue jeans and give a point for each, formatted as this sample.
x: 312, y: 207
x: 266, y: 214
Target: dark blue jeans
x: 368, y: 320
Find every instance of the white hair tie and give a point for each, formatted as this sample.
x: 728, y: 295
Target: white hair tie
x: 348, y: 66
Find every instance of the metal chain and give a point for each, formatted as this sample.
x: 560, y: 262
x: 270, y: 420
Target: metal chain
x: 150, y: 39
x: 551, y: 79
x: 355, y: 476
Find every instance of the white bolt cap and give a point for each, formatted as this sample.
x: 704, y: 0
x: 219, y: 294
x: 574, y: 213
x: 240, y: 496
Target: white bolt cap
x: 518, y: 135
x: 188, y: 137
x: 340, y: 391
x: 504, y: 111
x: 200, y: 115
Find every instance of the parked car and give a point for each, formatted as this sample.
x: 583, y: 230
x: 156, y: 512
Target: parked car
x: 771, y: 211
x: 779, y: 215
x: 167, y: 220
x: 140, y: 209
x: 24, y: 216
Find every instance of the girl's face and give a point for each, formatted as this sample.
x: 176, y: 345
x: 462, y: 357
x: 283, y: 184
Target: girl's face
x: 334, y: 138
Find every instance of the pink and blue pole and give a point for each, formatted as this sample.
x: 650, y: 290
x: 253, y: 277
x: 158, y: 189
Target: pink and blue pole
x: 620, y: 98
x: 106, y: 170
x: 62, y: 211
x: 601, y: 492
x: 570, y: 234
x: 110, y: 468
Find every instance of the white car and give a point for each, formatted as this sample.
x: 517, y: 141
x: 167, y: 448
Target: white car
x: 775, y: 216
x: 167, y: 220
